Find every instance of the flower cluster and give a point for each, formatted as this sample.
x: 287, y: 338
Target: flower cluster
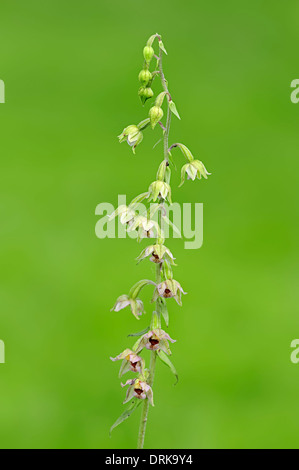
x: 148, y: 225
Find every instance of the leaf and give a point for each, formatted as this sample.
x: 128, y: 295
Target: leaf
x: 161, y: 45
x: 173, y: 109
x: 138, y: 199
x: 170, y: 158
x: 164, y: 358
x: 157, y: 143
x: 140, y: 333
x: 126, y: 414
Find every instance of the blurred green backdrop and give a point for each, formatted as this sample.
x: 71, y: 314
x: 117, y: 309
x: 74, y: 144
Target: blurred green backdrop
x: 70, y: 70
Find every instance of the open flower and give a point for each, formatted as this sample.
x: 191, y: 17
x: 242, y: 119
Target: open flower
x: 138, y: 389
x: 155, y: 340
x: 126, y: 214
x: 131, y: 362
x: 193, y: 169
x: 146, y: 228
x: 169, y: 288
x: 124, y: 301
x: 132, y: 135
x: 159, y: 189
x: 157, y: 252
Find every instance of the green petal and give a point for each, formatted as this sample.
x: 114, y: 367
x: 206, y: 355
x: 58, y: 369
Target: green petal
x: 183, y: 171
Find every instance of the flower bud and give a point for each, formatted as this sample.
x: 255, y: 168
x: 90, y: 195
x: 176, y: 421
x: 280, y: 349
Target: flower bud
x: 160, y: 99
x: 161, y: 171
x: 144, y: 77
x: 155, y: 114
x: 145, y: 93
x: 148, y: 53
x: 148, y: 93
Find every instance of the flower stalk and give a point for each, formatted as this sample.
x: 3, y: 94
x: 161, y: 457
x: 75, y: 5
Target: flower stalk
x: 153, y: 338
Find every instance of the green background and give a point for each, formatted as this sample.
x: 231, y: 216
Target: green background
x: 70, y: 69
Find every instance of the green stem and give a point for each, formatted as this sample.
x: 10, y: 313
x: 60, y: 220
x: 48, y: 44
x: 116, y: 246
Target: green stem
x: 168, y: 119
x: 145, y: 409
x: 146, y: 403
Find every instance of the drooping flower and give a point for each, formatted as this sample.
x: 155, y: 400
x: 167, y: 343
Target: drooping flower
x: 125, y: 213
x: 167, y: 289
x: 155, y: 340
x: 157, y: 253
x: 159, y: 189
x: 124, y: 301
x: 193, y: 169
x: 146, y: 228
x: 132, y: 135
x: 139, y: 389
x: 131, y: 362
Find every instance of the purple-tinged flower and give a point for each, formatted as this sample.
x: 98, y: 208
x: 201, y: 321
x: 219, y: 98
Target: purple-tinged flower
x: 124, y: 301
x: 131, y: 362
x: 139, y: 389
x: 155, y: 340
x: 157, y: 252
x: 167, y: 289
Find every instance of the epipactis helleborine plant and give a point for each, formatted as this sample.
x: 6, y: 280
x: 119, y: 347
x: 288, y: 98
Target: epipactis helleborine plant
x: 153, y: 338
